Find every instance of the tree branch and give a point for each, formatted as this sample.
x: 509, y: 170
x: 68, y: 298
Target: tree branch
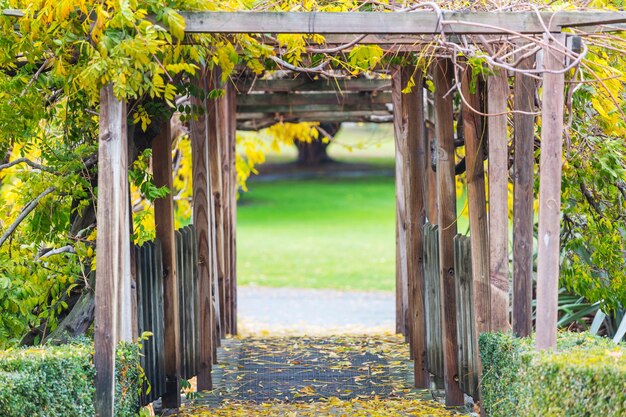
x: 29, y: 163
x: 25, y: 212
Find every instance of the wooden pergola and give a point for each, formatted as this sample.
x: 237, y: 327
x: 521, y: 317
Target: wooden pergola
x: 422, y: 194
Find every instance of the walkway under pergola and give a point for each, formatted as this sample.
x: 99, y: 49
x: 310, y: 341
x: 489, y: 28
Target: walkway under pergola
x: 424, y: 125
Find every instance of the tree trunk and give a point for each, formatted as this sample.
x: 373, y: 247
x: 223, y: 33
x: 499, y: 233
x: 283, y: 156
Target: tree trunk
x: 315, y: 153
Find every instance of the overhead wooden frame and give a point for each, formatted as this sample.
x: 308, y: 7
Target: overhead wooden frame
x: 417, y: 23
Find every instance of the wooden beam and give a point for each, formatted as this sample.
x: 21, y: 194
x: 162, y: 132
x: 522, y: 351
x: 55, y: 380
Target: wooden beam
x: 474, y: 129
x: 431, y: 147
x: 164, y: 222
x: 312, y: 99
x: 289, y: 110
x: 256, y: 121
x: 417, y: 22
x: 248, y: 85
x: 202, y: 220
x: 402, y: 291
x: 497, y: 96
x: 414, y: 162
x: 444, y: 131
x: 224, y: 142
x: 113, y: 313
x: 523, y: 198
x: 550, y: 192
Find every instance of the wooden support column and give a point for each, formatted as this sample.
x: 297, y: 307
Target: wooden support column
x: 232, y: 190
x: 413, y: 133
x: 113, y: 306
x: 402, y: 302
x: 523, y: 197
x: 216, y: 145
x: 430, y: 196
x: 164, y: 222
x: 550, y: 191
x: 474, y: 129
x: 202, y: 220
x: 224, y: 126
x: 498, y: 94
x: 444, y: 131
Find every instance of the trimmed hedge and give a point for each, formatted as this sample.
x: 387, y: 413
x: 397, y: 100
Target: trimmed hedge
x: 58, y: 381
x: 585, y: 377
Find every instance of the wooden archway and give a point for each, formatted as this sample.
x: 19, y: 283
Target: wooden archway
x: 212, y: 135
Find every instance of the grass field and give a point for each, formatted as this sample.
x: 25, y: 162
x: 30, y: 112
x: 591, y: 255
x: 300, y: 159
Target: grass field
x: 320, y: 233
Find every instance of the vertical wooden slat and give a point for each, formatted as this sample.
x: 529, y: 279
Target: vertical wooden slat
x: 413, y: 134
x: 433, y: 301
x: 196, y: 304
x: 182, y: 305
x: 201, y: 217
x: 442, y: 76
x: 164, y: 222
x: 113, y: 313
x: 523, y: 184
x: 401, y: 256
x: 550, y: 191
x: 157, y: 300
x: 497, y: 97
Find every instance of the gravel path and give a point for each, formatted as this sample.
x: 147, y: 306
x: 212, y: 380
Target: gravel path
x: 310, y: 311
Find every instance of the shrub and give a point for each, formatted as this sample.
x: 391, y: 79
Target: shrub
x: 586, y: 376
x: 53, y: 381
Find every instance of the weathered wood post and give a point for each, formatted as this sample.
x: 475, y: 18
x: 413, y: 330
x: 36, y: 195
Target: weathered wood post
x: 232, y: 195
x: 444, y: 131
x: 474, y: 129
x: 412, y: 136
x: 164, y: 222
x: 550, y: 190
x: 497, y: 97
x: 202, y: 220
x: 113, y: 306
x: 523, y: 198
x: 402, y: 293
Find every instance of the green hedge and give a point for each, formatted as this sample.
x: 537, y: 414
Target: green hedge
x: 58, y: 381
x: 585, y: 377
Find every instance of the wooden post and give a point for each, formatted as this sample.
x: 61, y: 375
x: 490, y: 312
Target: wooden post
x: 216, y: 143
x: 164, y: 222
x: 413, y: 133
x: 224, y: 123
x: 523, y: 216
x: 232, y: 190
x: 113, y: 313
x: 402, y: 315
x: 444, y: 131
x: 201, y: 217
x: 430, y: 195
x: 498, y: 94
x: 474, y: 128
x: 550, y: 192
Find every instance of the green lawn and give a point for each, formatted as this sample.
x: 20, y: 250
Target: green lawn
x: 322, y: 233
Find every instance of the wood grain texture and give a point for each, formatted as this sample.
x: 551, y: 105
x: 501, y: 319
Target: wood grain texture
x: 293, y: 99
x: 418, y: 22
x: 550, y: 193
x: 523, y: 215
x: 164, y: 222
x: 474, y: 128
x: 444, y: 131
x: 431, y: 152
x: 402, y: 291
x: 498, y: 94
x: 113, y: 305
x: 412, y: 115
x: 202, y: 221
x: 224, y: 125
